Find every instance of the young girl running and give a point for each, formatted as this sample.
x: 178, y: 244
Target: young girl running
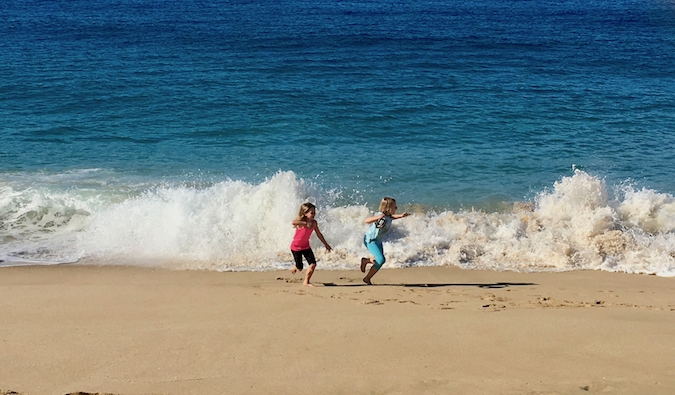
x: 380, y: 225
x: 304, y: 225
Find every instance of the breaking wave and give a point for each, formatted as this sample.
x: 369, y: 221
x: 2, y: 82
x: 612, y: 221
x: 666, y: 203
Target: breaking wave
x: 234, y: 225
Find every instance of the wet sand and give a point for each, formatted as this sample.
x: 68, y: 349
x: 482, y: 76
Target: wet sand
x: 441, y: 330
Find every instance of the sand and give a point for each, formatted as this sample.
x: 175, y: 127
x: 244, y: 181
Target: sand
x: 442, y: 330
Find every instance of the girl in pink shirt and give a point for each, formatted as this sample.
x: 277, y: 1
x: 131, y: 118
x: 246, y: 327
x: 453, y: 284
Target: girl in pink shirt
x: 304, y: 225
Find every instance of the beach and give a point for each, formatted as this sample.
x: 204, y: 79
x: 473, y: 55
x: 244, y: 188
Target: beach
x: 427, y: 330
x: 155, y: 154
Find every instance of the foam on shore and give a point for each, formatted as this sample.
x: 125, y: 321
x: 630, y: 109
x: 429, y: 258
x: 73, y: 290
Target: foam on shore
x: 579, y: 223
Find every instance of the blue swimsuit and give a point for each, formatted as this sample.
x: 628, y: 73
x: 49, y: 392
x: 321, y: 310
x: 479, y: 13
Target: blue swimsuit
x: 373, y: 239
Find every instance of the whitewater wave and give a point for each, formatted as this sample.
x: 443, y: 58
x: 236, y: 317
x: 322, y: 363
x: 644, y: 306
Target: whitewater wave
x: 235, y: 225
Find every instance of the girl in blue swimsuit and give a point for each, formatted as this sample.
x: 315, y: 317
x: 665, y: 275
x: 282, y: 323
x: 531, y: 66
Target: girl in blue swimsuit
x: 380, y: 224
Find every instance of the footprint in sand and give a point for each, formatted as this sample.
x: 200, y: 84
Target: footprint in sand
x: 85, y: 393
x: 494, y: 298
x: 400, y: 301
x: 546, y: 301
x: 447, y: 305
x: 597, y: 388
x: 449, y: 302
x: 493, y: 307
x: 290, y: 280
x: 349, y: 280
x: 371, y: 301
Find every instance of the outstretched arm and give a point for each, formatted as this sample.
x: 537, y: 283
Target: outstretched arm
x: 320, y: 236
x: 374, y: 218
x: 399, y: 216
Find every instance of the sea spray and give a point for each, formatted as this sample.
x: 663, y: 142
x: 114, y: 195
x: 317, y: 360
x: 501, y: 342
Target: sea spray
x: 229, y: 225
x: 237, y: 225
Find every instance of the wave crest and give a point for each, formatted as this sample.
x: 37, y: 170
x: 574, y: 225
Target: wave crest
x: 235, y: 225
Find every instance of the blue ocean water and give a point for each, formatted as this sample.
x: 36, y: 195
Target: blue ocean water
x: 187, y: 133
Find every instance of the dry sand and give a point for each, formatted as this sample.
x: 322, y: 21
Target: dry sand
x: 122, y: 330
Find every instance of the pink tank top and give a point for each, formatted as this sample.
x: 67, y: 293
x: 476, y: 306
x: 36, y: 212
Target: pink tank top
x: 301, y: 239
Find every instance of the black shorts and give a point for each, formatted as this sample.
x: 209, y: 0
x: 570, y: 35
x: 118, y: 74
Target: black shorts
x: 308, y: 254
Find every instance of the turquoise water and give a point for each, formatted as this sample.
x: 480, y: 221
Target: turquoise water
x: 156, y: 116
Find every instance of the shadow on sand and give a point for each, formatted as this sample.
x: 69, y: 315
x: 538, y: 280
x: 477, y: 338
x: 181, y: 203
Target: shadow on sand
x: 433, y: 285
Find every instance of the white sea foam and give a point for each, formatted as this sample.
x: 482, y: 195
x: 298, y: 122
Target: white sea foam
x: 235, y: 225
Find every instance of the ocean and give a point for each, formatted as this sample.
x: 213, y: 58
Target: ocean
x: 526, y: 135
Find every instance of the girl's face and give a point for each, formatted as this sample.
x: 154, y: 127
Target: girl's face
x: 310, y: 214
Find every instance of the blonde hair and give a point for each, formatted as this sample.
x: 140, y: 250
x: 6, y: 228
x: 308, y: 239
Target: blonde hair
x: 387, y: 205
x: 304, y: 209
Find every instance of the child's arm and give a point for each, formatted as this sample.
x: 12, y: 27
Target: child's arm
x: 320, y: 236
x: 374, y: 218
x: 399, y: 216
x: 301, y: 223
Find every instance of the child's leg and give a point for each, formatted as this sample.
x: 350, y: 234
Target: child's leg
x: 364, y: 262
x: 311, y: 261
x: 373, y: 270
x: 297, y: 257
x: 375, y: 248
x: 308, y: 276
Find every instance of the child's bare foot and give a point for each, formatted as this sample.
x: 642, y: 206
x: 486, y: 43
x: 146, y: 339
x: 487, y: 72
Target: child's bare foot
x: 364, y: 262
x: 308, y: 285
x: 294, y: 270
x: 367, y: 282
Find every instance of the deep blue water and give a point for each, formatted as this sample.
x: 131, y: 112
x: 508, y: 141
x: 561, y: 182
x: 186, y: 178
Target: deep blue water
x: 445, y: 105
x: 447, y: 101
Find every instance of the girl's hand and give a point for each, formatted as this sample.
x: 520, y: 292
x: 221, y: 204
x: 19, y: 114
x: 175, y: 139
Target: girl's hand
x: 328, y: 248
